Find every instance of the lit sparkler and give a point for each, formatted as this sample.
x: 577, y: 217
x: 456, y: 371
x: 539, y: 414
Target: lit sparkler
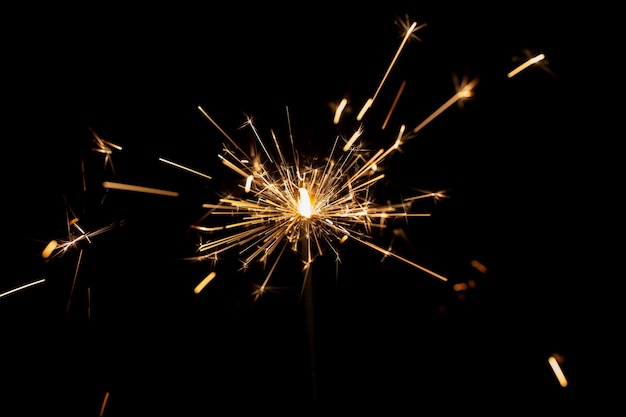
x: 288, y: 201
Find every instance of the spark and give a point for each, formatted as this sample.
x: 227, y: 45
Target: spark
x: 198, y: 289
x: 464, y: 91
x: 394, y: 104
x: 69, y: 300
x: 104, y: 403
x: 554, y: 361
x: 138, y: 188
x: 339, y: 110
x: 526, y: 64
x: 22, y: 287
x: 105, y: 147
x: 177, y: 165
x: 408, y: 34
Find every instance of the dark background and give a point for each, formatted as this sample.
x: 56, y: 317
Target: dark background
x: 523, y: 162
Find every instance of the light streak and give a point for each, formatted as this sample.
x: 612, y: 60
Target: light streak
x: 525, y: 65
x: 69, y: 300
x: 409, y: 32
x: 465, y: 91
x: 554, y: 361
x: 22, y: 287
x: 339, y: 111
x: 50, y: 247
x: 139, y: 189
x: 185, y: 168
x: 104, y: 403
x: 105, y: 147
x: 394, y: 104
x: 198, y: 289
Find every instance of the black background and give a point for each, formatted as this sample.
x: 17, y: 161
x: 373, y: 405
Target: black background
x: 522, y: 162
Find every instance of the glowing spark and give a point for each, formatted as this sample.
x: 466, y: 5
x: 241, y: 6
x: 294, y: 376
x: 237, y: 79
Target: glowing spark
x: 104, y: 403
x: 352, y: 139
x: 394, y: 104
x: 370, y: 101
x: 365, y: 108
x: 104, y: 147
x: 340, y: 108
x: 479, y: 266
x: 204, y: 283
x: 464, y: 91
x: 249, y: 183
x: 185, y: 168
x: 137, y: 188
x: 50, y: 247
x: 554, y: 362
x: 388, y: 253
x: 69, y: 300
x: 525, y: 65
x: 22, y: 287
x: 304, y: 205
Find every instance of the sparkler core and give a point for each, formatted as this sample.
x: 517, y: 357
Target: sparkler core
x: 304, y: 204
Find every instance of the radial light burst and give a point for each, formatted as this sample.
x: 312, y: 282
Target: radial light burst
x: 288, y: 200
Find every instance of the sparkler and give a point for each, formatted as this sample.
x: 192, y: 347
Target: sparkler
x: 287, y: 200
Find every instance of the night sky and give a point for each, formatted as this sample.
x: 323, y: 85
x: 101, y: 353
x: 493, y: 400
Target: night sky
x: 119, y: 317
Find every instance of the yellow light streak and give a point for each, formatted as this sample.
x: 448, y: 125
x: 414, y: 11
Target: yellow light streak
x: 556, y: 368
x: 138, y: 188
x: 464, y: 92
x: 50, y: 247
x: 525, y: 65
x: 339, y: 110
x: 198, y: 289
x: 104, y: 403
x: 394, y: 104
x: 406, y: 37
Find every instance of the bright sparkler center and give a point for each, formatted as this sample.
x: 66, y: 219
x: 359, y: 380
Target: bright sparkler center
x: 304, y: 205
